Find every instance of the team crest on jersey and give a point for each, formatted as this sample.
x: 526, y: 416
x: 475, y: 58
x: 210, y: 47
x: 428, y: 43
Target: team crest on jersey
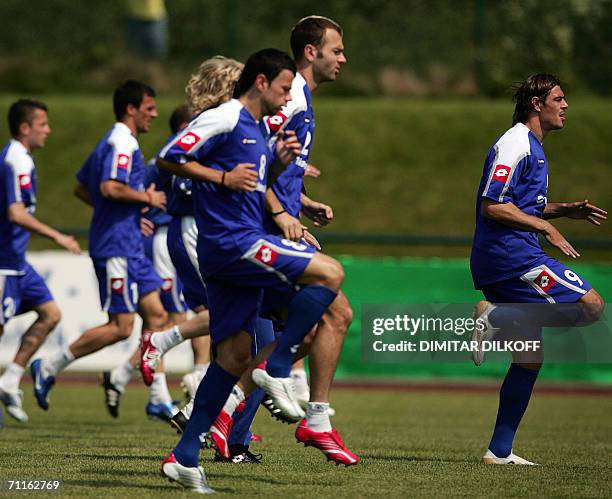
x: 123, y: 161
x: 187, y: 141
x: 544, y: 281
x: 249, y: 141
x: 266, y: 255
x: 117, y: 284
x: 25, y: 181
x: 501, y: 173
x: 167, y: 285
x: 276, y: 122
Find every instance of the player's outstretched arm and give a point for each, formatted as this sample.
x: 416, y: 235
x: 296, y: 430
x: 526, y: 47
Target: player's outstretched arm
x: 118, y: 191
x: 321, y: 214
x: 18, y: 214
x: 579, y: 210
x: 509, y: 214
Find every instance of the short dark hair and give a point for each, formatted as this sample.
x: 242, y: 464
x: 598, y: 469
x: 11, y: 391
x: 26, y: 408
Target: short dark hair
x: 130, y: 92
x: 268, y: 62
x: 179, y: 116
x: 22, y: 111
x: 537, y: 85
x: 310, y: 31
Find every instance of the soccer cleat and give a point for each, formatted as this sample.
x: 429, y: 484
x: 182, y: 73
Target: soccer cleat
x: 219, y: 433
x: 490, y: 458
x: 280, y: 390
x: 161, y: 412
x: 149, y: 358
x: 190, y: 382
x: 328, y: 442
x: 256, y: 438
x: 111, y: 394
x: 179, y: 422
x: 41, y: 385
x: 274, y: 411
x: 14, y: 404
x: 481, y: 314
x: 192, y: 479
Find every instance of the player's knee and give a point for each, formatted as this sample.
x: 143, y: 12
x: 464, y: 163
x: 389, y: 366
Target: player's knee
x: 157, y: 319
x: 49, y: 317
x: 335, y: 275
x: 593, y: 306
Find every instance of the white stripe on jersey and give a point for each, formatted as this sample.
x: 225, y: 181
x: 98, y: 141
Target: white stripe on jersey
x: 117, y: 268
x: 189, y: 234
x: 123, y: 144
x: 163, y: 264
x: 20, y: 162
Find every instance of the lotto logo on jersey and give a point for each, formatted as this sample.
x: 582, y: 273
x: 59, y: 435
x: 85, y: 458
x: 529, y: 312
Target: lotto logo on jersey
x: 167, y: 285
x: 276, y: 122
x: 187, y: 141
x: 25, y: 181
x: 501, y: 173
x: 117, y: 284
x: 266, y: 255
x: 545, y: 281
x: 123, y: 161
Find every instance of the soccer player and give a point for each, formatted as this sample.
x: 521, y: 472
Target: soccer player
x: 236, y: 257
x: 21, y: 288
x: 507, y: 262
x: 111, y: 180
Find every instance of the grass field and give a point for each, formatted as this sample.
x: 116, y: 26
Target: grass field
x: 411, y: 444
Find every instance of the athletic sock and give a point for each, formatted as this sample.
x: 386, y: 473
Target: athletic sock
x: 317, y: 416
x: 212, y: 394
x: 300, y: 383
x: 305, y: 310
x: 233, y: 400
x: 158, y: 391
x: 166, y: 340
x: 514, y: 397
x: 53, y: 365
x: 121, y: 376
x: 11, y: 377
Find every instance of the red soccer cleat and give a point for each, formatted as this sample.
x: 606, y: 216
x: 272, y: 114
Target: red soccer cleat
x: 149, y: 359
x: 328, y: 442
x: 219, y: 433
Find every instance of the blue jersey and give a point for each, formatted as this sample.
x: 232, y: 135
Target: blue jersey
x: 178, y: 190
x: 17, y: 185
x: 115, y: 226
x: 515, y: 171
x: 153, y: 175
x: 298, y: 116
x: 221, y: 138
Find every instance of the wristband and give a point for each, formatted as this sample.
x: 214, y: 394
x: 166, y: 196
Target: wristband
x: 277, y: 213
x: 223, y: 179
x: 149, y: 197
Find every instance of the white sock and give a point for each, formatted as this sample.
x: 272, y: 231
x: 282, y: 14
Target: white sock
x: 233, y: 400
x: 158, y: 392
x: 201, y: 368
x: 53, y: 365
x: 317, y: 416
x: 188, y: 409
x: 121, y: 376
x: 11, y: 377
x: 166, y: 340
x: 300, y: 383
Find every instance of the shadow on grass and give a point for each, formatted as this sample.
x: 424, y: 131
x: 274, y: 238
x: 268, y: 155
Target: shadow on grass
x: 122, y: 457
x: 425, y: 459
x: 119, y: 484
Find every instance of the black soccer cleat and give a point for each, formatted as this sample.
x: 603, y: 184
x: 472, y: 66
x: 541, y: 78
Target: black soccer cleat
x: 178, y: 422
x: 274, y: 411
x: 111, y: 394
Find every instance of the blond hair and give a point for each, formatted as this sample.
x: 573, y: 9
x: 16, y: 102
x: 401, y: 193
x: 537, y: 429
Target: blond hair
x: 213, y: 84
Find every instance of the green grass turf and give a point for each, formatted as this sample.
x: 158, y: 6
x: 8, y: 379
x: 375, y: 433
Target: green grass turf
x: 411, y: 444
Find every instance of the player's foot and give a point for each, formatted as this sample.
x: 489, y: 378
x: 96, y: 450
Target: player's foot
x: 219, y: 433
x: 149, y: 359
x: 274, y: 411
x: 483, y: 333
x: 111, y: 394
x: 280, y: 390
x: 192, y: 479
x: 161, y: 412
x: 13, y: 401
x: 41, y: 385
x: 179, y: 422
x: 490, y: 458
x: 256, y: 438
x: 240, y: 455
x: 328, y: 442
x: 190, y: 382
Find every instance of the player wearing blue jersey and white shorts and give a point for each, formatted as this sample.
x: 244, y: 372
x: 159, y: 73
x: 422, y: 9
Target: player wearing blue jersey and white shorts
x: 22, y: 289
x: 111, y: 180
x: 507, y: 262
x: 237, y: 258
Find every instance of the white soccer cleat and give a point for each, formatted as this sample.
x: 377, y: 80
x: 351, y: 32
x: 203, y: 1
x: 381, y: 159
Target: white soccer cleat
x: 484, y: 333
x: 190, y: 383
x: 280, y: 390
x: 192, y: 479
x: 13, y: 401
x: 490, y: 458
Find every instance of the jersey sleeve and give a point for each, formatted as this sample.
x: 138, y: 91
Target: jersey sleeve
x: 118, y: 159
x: 19, y: 180
x: 503, y: 173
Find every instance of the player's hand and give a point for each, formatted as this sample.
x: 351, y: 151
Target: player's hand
x: 583, y: 210
x: 321, y: 214
x: 291, y: 226
x: 287, y: 147
x: 146, y: 227
x: 69, y: 243
x: 309, y: 238
x: 158, y: 198
x: 243, y: 177
x: 554, y: 237
x: 312, y: 171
